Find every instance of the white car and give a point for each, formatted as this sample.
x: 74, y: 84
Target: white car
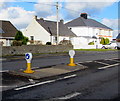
x: 110, y: 46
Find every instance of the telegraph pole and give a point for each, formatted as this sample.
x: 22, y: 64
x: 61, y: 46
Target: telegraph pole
x: 57, y: 23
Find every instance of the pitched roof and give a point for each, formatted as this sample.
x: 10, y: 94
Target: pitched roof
x: 86, y: 22
x: 7, y: 29
x: 51, y: 26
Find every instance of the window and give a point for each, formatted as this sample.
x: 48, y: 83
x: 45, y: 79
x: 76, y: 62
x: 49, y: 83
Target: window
x: 32, y: 37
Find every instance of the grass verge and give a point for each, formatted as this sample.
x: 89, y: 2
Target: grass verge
x: 96, y: 50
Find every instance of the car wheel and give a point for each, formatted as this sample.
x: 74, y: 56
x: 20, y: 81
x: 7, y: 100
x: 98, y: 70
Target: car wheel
x: 118, y: 48
x: 103, y: 47
x: 115, y: 47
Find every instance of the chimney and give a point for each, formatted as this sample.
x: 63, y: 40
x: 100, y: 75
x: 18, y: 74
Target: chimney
x: 62, y: 21
x: 41, y: 19
x: 84, y: 15
x: 35, y: 17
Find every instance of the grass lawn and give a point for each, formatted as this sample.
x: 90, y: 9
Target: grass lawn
x: 95, y: 49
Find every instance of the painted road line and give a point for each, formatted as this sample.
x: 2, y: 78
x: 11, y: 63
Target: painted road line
x: 68, y: 96
x: 109, y: 66
x: 32, y: 81
x: 111, y: 59
x: 45, y: 82
x: 101, y: 63
x: 66, y: 77
x: 1, y: 71
x: 35, y: 67
x: 115, y: 60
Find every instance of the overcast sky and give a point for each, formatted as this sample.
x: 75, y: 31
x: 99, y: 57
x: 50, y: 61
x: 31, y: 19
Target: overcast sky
x: 21, y: 12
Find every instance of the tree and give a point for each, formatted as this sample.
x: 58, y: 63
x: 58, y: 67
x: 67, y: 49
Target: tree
x: 20, y: 39
x: 19, y: 36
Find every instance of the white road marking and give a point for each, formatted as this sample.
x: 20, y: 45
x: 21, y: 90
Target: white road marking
x: 101, y: 63
x: 1, y: 71
x: 116, y: 60
x: 35, y: 68
x: 68, y: 96
x: 32, y: 81
x: 45, y: 82
x: 108, y: 66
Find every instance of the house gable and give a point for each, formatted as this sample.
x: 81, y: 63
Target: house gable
x: 37, y: 31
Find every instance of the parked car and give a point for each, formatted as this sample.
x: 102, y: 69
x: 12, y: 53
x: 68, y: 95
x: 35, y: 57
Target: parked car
x: 110, y: 46
x: 118, y: 41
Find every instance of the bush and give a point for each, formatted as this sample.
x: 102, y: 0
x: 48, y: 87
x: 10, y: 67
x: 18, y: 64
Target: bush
x: 65, y: 42
x: 104, y: 41
x: 107, y: 41
x: 91, y: 43
x: 17, y: 43
x: 20, y: 39
x: 48, y: 43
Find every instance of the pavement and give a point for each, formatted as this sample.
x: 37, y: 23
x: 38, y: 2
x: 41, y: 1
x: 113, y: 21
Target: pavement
x: 47, y: 72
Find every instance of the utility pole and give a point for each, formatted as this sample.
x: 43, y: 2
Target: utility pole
x: 57, y: 23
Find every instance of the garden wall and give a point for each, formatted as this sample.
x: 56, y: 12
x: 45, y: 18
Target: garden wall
x: 18, y: 50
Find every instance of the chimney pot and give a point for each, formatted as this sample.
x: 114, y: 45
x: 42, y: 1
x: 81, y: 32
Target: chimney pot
x: 84, y: 15
x: 41, y: 19
x: 35, y: 17
x: 62, y: 21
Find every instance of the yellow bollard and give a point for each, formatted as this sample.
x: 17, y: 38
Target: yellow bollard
x: 72, y: 62
x: 28, y: 57
x: 72, y: 53
x: 28, y: 70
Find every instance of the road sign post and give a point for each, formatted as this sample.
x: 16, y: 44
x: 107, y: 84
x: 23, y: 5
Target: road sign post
x: 71, y: 53
x: 28, y: 57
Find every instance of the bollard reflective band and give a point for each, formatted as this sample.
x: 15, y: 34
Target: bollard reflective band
x: 71, y: 62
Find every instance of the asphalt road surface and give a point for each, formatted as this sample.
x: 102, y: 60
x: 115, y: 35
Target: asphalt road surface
x: 96, y: 82
x: 16, y: 64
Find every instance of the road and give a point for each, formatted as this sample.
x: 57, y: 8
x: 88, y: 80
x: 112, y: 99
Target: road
x: 17, y: 64
x: 92, y: 83
x: 96, y: 82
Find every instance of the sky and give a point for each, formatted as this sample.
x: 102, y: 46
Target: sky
x: 21, y: 12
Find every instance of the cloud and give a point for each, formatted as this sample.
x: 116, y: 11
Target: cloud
x: 74, y: 8
x: 17, y: 15
x: 44, y: 8
x: 52, y: 18
x: 115, y: 33
x: 112, y: 23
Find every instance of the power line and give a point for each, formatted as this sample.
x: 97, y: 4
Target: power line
x: 77, y: 12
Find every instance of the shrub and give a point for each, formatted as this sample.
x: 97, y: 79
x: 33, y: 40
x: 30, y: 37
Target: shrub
x: 91, y: 43
x: 17, y: 43
x: 48, y: 43
x: 20, y: 39
x: 102, y: 41
x: 107, y: 41
x: 65, y: 42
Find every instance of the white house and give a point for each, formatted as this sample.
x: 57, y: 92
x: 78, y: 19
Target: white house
x: 7, y: 33
x: 40, y: 30
x: 88, y: 30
